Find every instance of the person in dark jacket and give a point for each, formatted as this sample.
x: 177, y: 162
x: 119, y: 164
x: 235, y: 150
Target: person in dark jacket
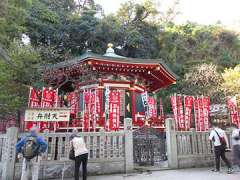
x: 31, y: 164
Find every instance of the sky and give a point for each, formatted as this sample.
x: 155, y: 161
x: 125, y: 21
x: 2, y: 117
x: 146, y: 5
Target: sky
x: 200, y: 11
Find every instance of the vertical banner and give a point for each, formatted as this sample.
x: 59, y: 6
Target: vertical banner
x: 114, y: 110
x: 55, y: 97
x: 73, y: 100
x: 200, y: 113
x: 188, y: 102
x: 97, y: 107
x: 107, y: 92
x: 174, y: 108
x: 161, y: 112
x: 145, y: 103
x: 180, y: 113
x: 34, y: 101
x: 34, y: 98
x: 233, y: 110
x: 93, y: 109
x: 196, y: 114
x: 122, y: 103
x: 152, y: 107
x: 128, y: 104
x: 86, y: 119
x: 206, y: 112
x: 48, y: 98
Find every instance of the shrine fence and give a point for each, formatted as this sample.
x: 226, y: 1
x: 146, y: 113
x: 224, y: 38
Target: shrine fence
x: 109, y: 152
x: 188, y: 149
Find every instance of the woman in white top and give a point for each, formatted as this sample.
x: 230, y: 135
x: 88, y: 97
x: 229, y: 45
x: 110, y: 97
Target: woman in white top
x: 81, y: 154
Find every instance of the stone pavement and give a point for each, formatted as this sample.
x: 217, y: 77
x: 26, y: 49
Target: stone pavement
x: 181, y: 174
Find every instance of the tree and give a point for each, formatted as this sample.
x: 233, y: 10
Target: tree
x: 12, y: 18
x: 191, y: 44
x: 138, y: 32
x: 231, y: 80
x: 203, y: 79
x: 61, y: 28
x: 17, y: 77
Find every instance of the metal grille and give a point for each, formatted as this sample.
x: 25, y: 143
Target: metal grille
x: 149, y: 146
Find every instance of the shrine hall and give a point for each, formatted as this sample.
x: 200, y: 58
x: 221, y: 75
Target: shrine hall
x: 103, y: 90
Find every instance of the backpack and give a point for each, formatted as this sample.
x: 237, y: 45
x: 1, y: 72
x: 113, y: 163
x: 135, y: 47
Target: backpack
x: 30, y: 148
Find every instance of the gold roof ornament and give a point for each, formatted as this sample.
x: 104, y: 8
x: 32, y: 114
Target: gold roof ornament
x: 110, y: 52
x: 110, y: 45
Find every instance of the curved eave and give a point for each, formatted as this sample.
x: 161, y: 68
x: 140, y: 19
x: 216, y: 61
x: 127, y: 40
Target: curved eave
x: 161, y: 78
x: 89, y: 55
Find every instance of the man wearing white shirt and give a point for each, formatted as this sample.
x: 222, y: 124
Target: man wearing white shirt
x: 220, y: 142
x: 236, y: 144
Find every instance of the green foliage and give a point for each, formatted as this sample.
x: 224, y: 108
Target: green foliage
x: 231, y: 80
x: 59, y: 29
x: 63, y: 27
x: 12, y: 17
x: 17, y: 77
x: 191, y: 44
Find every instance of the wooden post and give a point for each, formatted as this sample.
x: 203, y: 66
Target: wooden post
x: 9, y: 154
x: 128, y: 145
x: 171, y: 143
x: 102, y: 143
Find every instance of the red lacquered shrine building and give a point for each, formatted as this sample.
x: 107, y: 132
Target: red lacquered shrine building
x: 103, y: 90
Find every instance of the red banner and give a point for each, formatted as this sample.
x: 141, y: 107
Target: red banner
x: 114, y: 110
x: 152, y: 107
x: 188, y: 102
x: 86, y: 99
x: 202, y: 113
x: 232, y: 107
x: 34, y: 98
x: 49, y: 98
x: 196, y: 114
x: 161, y: 113
x: 206, y: 112
x: 174, y: 108
x: 98, y: 107
x: 92, y: 116
x: 73, y: 102
x: 181, y: 122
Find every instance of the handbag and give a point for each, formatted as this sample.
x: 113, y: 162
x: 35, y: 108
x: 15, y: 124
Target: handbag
x: 72, y: 154
x: 222, y: 141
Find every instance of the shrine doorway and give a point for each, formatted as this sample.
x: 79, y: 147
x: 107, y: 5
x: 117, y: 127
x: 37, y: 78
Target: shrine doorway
x: 149, y: 147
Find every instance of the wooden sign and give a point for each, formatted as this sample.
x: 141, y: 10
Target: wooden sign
x: 50, y: 115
